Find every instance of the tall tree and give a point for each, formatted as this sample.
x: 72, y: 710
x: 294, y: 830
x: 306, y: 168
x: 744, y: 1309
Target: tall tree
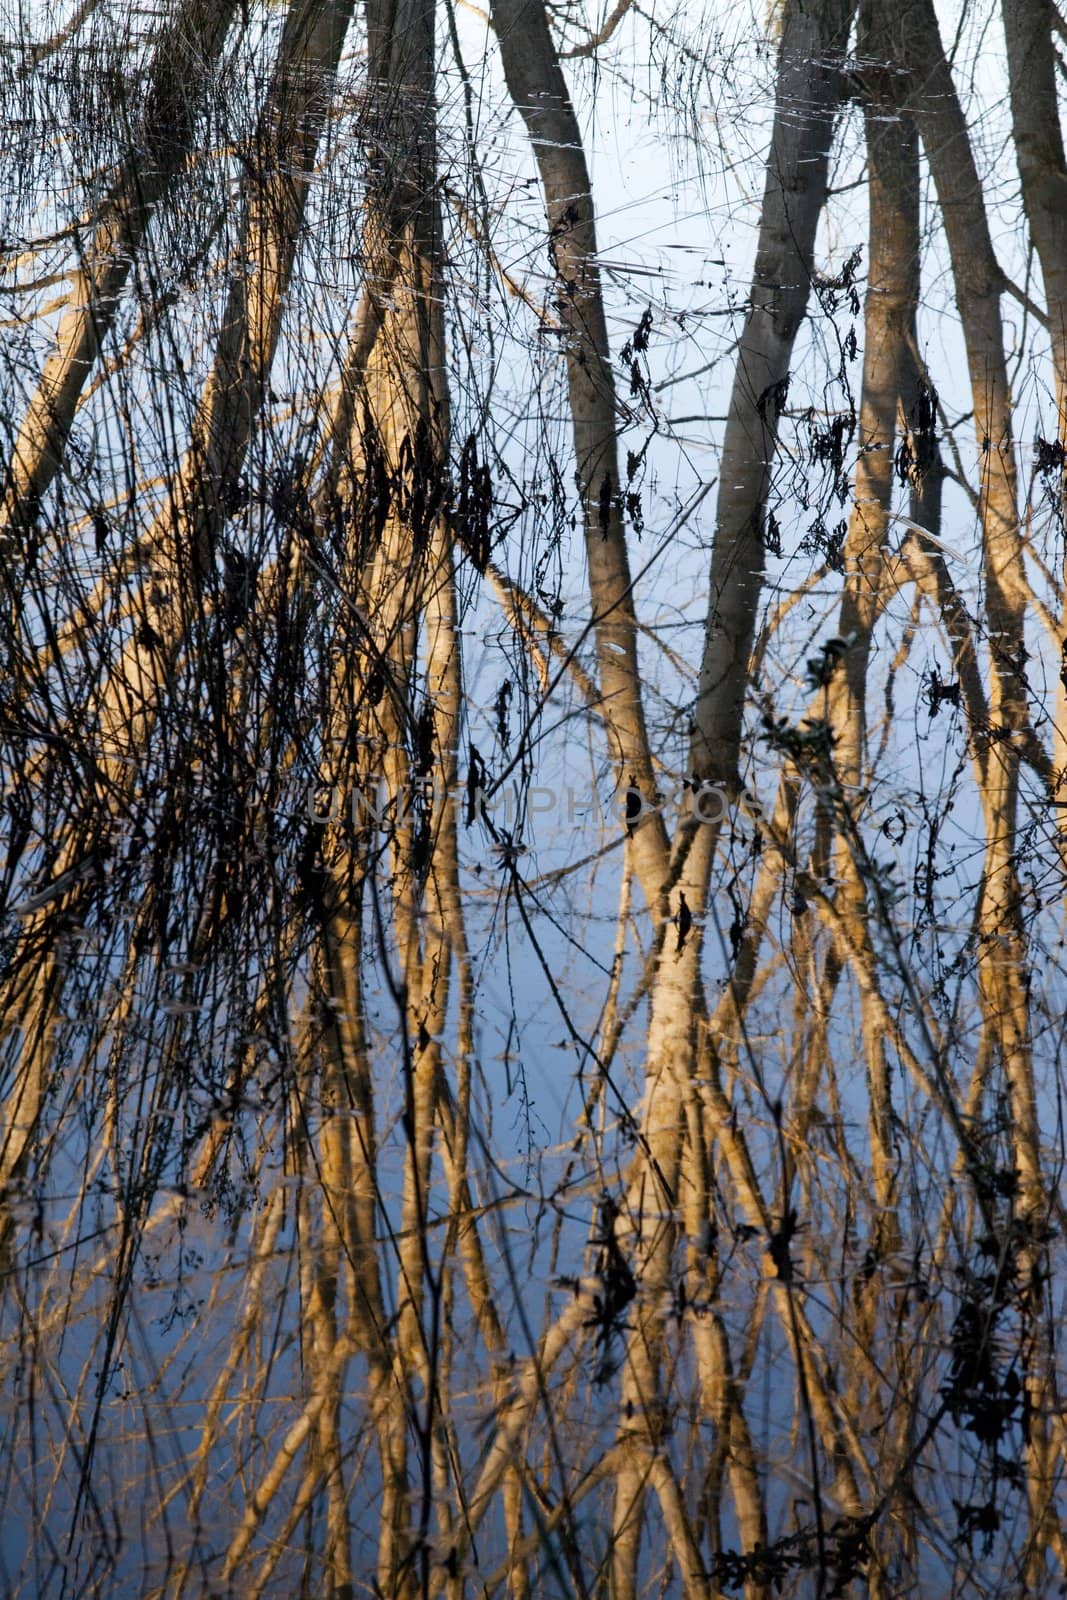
x: 344, y: 489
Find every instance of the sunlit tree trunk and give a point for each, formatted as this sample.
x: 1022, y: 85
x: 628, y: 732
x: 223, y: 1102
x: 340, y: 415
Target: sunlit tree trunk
x: 891, y: 301
x: 1003, y: 957
x: 538, y: 91
x: 793, y: 201
x: 710, y: 1334
x: 180, y: 548
x: 162, y: 135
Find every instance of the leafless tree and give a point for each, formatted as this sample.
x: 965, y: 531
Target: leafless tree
x: 531, y: 971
